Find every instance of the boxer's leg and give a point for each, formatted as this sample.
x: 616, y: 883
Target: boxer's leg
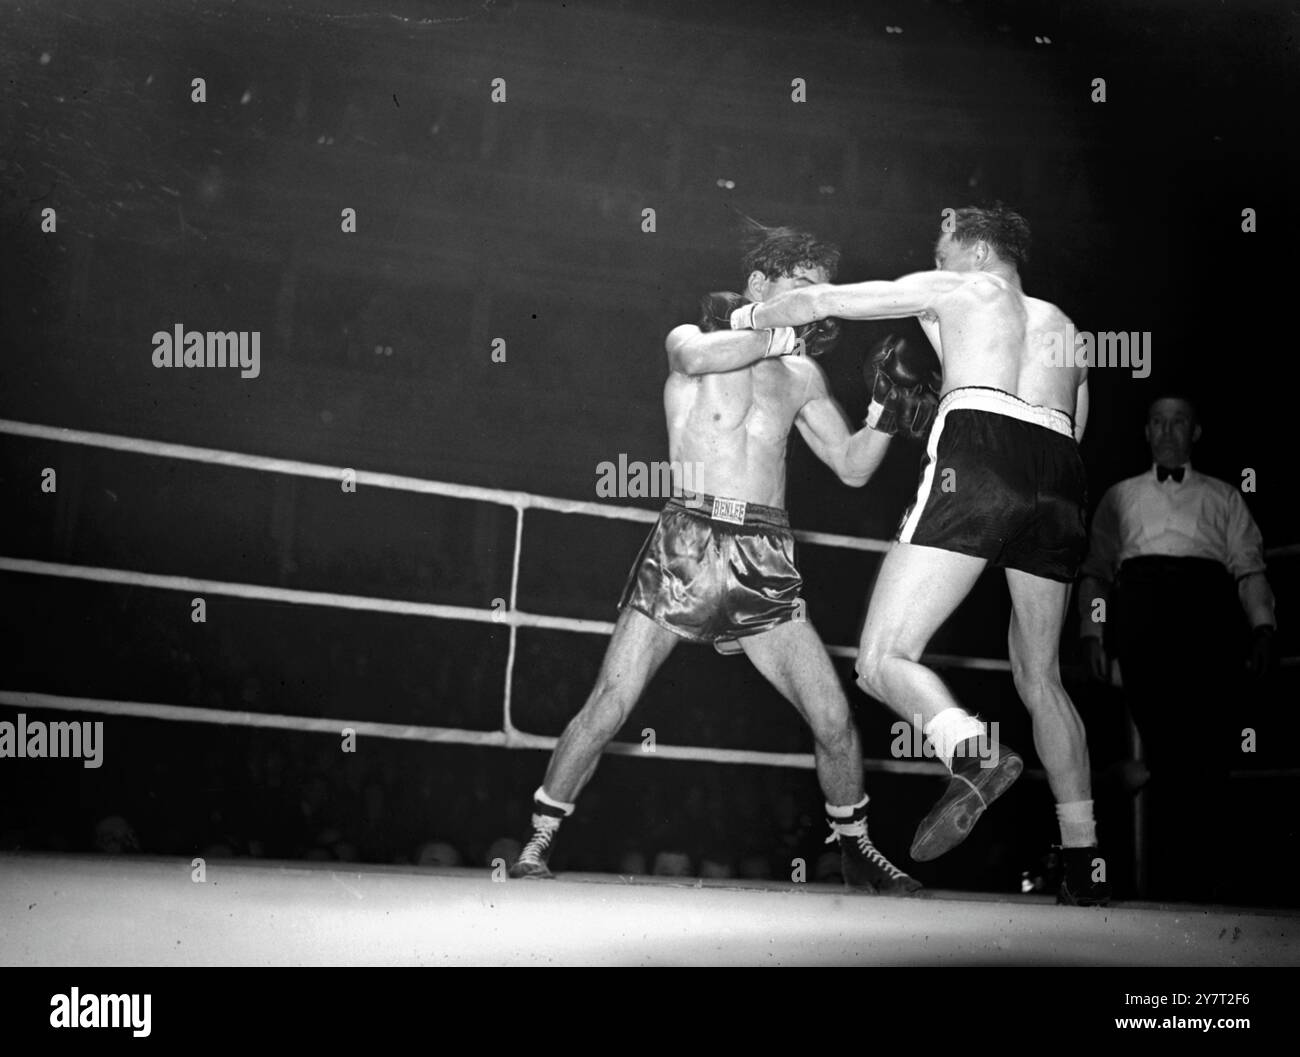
x: 918, y: 588
x: 636, y: 650
x: 793, y: 659
x: 1038, y: 608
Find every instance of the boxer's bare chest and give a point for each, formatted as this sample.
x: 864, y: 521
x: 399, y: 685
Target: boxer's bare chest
x: 759, y: 402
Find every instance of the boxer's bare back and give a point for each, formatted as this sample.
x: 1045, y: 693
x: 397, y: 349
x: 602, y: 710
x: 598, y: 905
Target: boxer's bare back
x: 985, y: 329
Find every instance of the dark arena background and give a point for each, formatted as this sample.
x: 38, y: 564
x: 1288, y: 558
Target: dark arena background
x: 333, y: 612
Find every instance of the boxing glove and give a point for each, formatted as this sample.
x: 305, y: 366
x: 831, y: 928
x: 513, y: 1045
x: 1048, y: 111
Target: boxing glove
x: 716, y: 309
x: 819, y: 336
x: 904, y: 387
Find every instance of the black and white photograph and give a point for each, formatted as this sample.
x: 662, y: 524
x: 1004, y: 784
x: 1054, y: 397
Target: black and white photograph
x: 522, y: 483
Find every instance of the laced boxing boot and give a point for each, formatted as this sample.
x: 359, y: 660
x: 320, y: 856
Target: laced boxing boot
x: 533, y: 860
x: 865, y: 868
x: 971, y: 789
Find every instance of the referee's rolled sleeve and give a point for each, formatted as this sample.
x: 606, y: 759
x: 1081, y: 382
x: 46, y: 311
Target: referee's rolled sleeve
x: 1242, y: 540
x: 1102, y: 561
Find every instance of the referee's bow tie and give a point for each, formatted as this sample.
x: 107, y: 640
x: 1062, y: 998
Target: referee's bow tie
x: 1163, y: 472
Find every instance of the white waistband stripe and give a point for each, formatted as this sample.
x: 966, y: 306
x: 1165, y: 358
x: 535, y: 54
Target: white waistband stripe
x: 997, y: 402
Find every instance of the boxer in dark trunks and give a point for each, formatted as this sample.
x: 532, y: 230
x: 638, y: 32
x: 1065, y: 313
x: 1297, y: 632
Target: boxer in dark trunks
x: 719, y: 566
x: 1002, y: 483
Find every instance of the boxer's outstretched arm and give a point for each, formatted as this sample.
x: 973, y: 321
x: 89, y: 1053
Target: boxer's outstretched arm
x: 693, y: 351
x: 909, y: 296
x: 853, y: 456
x: 1081, y: 409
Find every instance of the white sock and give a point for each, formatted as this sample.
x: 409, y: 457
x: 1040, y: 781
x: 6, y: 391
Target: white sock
x: 841, y: 818
x: 846, y: 810
x: 559, y: 805
x: 1078, y: 830
x: 949, y: 729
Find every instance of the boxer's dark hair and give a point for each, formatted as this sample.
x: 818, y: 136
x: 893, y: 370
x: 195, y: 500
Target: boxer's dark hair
x: 1002, y: 228
x: 777, y: 252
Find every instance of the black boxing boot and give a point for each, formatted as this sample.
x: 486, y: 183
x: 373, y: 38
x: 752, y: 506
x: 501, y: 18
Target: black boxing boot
x: 548, y: 813
x: 1078, y: 887
x: 865, y: 868
x: 975, y: 783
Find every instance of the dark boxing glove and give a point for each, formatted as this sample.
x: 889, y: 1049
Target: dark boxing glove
x: 904, y: 386
x: 715, y: 314
x: 819, y: 336
x: 716, y: 309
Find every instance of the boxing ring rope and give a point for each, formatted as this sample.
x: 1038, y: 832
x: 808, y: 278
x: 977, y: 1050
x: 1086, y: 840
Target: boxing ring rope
x: 508, y: 736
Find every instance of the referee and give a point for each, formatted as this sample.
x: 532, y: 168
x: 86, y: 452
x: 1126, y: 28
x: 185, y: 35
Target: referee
x: 1175, y: 560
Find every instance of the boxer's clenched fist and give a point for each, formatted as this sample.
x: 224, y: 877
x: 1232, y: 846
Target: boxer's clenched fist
x: 819, y: 336
x: 716, y: 309
x: 904, y: 388
x: 718, y: 312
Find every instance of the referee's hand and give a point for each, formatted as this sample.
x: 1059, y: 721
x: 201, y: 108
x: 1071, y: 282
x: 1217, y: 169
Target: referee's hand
x: 1095, y: 659
x: 1263, y: 656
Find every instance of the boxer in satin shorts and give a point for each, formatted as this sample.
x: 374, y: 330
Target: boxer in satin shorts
x: 715, y: 569
x: 719, y: 566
